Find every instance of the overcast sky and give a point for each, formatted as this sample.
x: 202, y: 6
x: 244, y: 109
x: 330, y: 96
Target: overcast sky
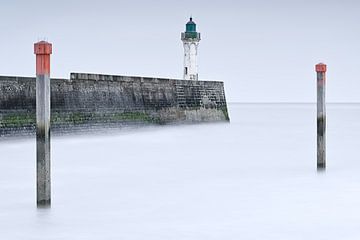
x: 264, y: 51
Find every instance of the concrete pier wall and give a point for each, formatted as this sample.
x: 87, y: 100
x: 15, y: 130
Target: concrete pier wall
x: 93, y: 100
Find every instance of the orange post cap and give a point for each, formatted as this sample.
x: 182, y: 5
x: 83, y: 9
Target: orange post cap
x: 321, y: 67
x: 42, y: 48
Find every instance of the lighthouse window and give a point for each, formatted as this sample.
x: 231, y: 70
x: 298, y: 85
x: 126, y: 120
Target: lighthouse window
x: 186, y: 72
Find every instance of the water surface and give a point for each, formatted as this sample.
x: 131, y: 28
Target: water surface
x: 253, y: 178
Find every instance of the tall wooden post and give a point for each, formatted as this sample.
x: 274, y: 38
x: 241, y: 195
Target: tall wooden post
x: 321, y: 116
x: 43, y: 50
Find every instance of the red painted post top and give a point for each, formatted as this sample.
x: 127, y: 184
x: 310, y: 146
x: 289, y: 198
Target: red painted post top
x: 43, y: 50
x: 42, y: 47
x: 321, y: 67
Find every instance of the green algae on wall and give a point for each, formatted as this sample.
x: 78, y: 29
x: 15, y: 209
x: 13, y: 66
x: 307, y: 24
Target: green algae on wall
x: 17, y: 120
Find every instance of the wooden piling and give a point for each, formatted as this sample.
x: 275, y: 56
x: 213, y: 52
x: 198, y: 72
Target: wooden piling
x: 321, y: 116
x: 43, y: 186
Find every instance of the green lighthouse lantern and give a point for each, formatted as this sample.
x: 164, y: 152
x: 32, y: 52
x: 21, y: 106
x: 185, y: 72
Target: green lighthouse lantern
x: 191, y: 26
x: 190, y: 31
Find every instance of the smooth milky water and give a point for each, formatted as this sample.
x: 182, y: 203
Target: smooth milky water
x: 253, y: 178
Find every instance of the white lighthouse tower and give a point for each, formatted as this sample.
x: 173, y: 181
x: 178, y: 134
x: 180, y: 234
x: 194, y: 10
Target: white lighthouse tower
x: 190, y: 39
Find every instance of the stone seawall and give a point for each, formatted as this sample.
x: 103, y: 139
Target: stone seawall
x: 92, y: 100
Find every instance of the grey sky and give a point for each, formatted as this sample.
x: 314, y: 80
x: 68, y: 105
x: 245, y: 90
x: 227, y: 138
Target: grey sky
x: 264, y: 51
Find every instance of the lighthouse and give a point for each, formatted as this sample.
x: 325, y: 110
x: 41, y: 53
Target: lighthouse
x: 190, y: 39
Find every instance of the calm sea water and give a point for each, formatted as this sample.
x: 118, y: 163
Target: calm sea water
x: 253, y: 178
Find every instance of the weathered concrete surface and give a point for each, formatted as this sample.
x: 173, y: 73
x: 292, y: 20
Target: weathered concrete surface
x: 101, y: 100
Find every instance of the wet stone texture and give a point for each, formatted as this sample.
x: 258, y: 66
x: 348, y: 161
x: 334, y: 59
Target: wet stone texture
x: 88, y: 100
